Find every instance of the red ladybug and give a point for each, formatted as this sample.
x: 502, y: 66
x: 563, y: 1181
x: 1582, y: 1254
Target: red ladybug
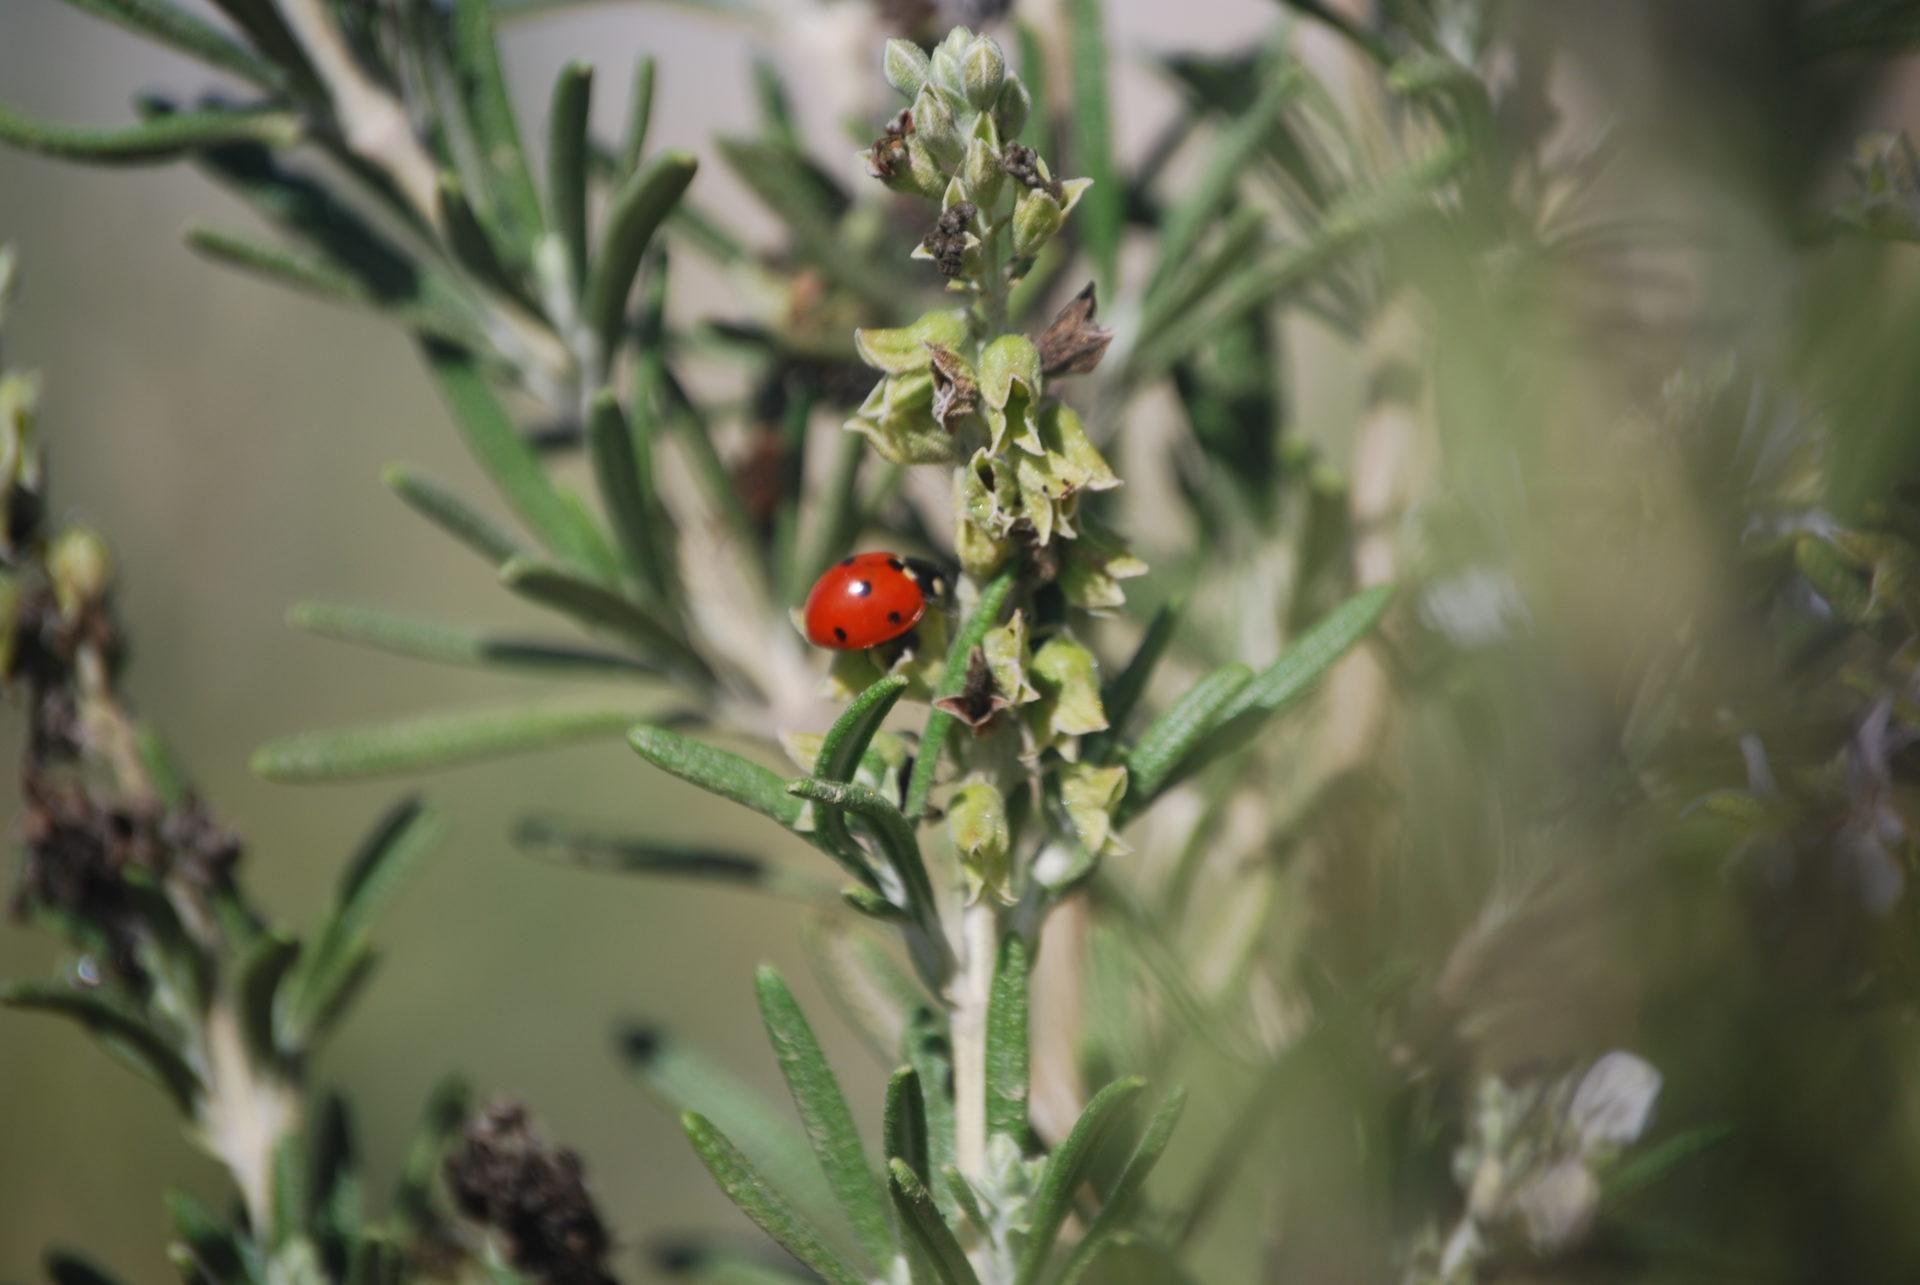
x: 868, y: 599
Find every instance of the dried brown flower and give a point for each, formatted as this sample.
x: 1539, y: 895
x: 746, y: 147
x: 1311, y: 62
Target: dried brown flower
x: 948, y: 240
x: 1022, y: 164
x: 955, y: 395
x: 1072, y: 344
x: 534, y: 1196
x: 889, y: 151
x: 980, y: 697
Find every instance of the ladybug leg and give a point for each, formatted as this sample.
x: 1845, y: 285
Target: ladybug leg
x: 888, y: 653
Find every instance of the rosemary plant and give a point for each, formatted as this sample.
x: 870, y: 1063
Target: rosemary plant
x: 1056, y: 853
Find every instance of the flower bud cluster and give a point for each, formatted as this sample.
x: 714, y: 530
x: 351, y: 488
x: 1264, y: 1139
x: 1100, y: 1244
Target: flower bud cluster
x: 960, y: 388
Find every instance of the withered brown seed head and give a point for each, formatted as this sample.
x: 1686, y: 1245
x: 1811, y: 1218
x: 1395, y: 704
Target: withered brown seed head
x: 979, y: 699
x: 533, y: 1196
x: 955, y: 395
x: 1022, y: 164
x: 1072, y: 344
x: 947, y: 243
x: 889, y: 152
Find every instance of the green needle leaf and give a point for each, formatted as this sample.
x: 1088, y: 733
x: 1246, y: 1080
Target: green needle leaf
x: 921, y: 1219
x: 213, y: 1246
x: 595, y: 606
x: 1007, y: 1049
x: 1126, y: 1189
x: 929, y: 1051
x: 65, y: 1267
x: 175, y: 27
x: 1067, y: 1169
x: 1037, y: 133
x: 472, y: 245
x: 903, y: 1126
x: 825, y: 1117
x: 636, y: 213
x: 1652, y: 1163
x: 933, y: 741
x: 1229, y: 160
x: 476, y: 52
x: 567, y: 164
x: 266, y: 30
x: 452, y: 514
x: 1101, y: 212
x: 1123, y: 691
x: 163, y: 138
x: 625, y: 491
x: 682, y: 1078
x: 640, y: 115
x: 1284, y: 681
x: 125, y: 1033
x: 314, y: 989
x: 506, y: 457
x: 890, y: 830
x: 323, y: 279
x: 760, y: 1202
x: 847, y: 741
x: 447, y: 644
x: 719, y: 772
x: 446, y: 1110
x: 565, y: 842
x: 264, y: 967
x: 431, y: 741
x: 1166, y: 743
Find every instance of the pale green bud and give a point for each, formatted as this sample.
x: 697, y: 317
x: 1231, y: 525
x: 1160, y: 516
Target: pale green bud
x: 1071, y: 454
x: 1007, y: 659
x: 1068, y: 677
x: 906, y: 67
x: 981, y: 171
x: 897, y: 417
x: 980, y: 539
x: 1036, y: 218
x: 909, y: 347
x: 1014, y: 106
x: 1007, y: 359
x: 948, y: 59
x: 983, y: 73
x: 1095, y: 565
x: 80, y: 569
x: 1091, y: 795
x: 937, y: 125
x: 977, y: 823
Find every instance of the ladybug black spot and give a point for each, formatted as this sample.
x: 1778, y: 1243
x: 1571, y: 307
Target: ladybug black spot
x: 846, y: 562
x: 893, y: 617
x: 839, y: 633
x: 861, y: 588
x: 896, y: 564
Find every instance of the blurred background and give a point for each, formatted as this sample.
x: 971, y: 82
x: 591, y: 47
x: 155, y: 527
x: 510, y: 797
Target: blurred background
x: 1611, y: 656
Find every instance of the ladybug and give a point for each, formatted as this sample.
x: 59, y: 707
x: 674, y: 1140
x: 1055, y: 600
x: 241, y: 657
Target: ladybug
x: 868, y: 599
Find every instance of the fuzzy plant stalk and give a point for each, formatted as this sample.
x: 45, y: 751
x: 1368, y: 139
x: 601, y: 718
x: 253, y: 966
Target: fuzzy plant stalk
x: 963, y: 390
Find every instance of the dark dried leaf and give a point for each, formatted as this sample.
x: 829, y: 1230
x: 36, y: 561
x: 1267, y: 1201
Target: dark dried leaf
x: 1072, y: 344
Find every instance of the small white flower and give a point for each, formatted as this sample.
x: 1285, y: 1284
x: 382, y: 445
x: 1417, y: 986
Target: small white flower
x: 1614, y: 1102
x: 1557, y: 1204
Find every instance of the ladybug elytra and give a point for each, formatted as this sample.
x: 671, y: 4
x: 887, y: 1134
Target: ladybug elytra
x: 867, y: 600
